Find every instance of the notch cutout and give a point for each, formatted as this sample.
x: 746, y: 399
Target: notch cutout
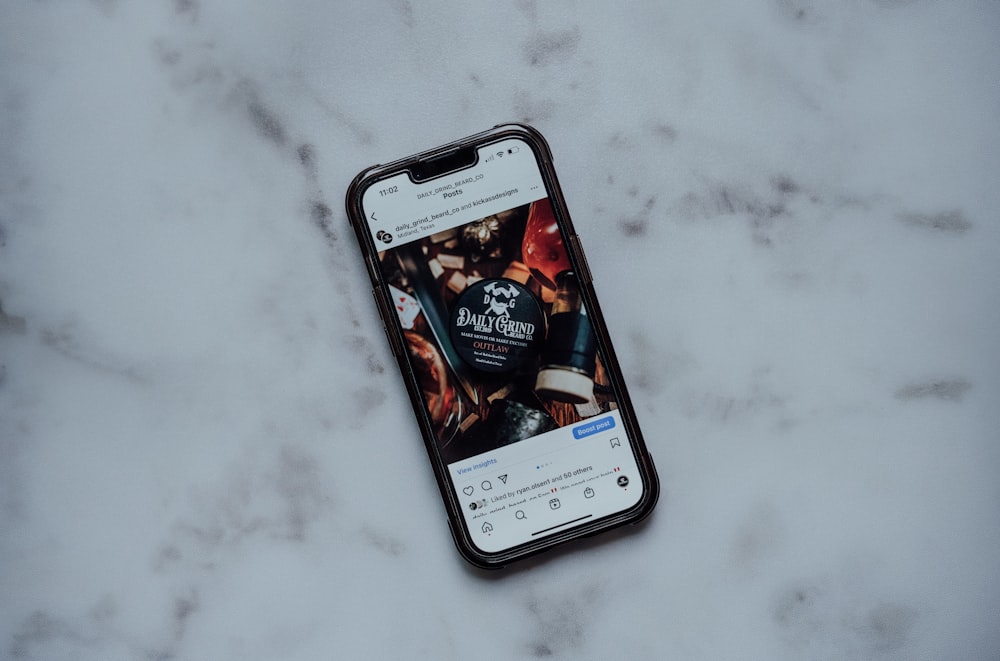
x: 435, y: 166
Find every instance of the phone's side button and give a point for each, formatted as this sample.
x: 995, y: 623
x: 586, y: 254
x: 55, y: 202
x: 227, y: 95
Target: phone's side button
x: 372, y: 264
x: 386, y: 331
x: 581, y: 257
x: 394, y: 343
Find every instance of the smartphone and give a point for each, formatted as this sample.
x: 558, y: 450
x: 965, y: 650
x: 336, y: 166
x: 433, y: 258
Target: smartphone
x: 489, y: 308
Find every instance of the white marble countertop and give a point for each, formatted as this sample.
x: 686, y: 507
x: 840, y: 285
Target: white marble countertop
x: 791, y: 213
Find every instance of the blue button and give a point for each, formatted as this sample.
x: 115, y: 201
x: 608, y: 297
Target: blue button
x: 595, y: 427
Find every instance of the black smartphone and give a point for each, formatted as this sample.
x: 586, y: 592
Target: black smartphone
x: 488, y: 305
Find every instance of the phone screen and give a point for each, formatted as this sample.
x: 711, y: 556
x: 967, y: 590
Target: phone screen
x: 512, y: 378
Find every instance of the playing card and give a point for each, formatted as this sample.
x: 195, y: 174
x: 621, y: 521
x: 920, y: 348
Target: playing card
x: 406, y: 307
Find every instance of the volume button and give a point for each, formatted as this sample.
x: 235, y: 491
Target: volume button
x: 373, y: 266
x: 394, y: 344
x: 378, y: 302
x: 581, y: 258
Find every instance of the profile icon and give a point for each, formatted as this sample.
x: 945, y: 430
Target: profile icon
x: 384, y: 236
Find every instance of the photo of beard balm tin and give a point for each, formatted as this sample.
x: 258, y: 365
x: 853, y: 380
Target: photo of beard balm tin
x: 497, y: 325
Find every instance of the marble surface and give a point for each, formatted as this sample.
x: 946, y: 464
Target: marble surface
x: 791, y: 213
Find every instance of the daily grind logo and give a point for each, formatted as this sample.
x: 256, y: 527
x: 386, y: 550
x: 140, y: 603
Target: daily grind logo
x: 500, y: 299
x: 496, y: 324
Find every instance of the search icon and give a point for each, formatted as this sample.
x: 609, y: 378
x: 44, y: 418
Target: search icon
x: 519, y: 514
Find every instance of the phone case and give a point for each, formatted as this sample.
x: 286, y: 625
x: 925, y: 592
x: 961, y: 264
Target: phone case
x: 398, y: 344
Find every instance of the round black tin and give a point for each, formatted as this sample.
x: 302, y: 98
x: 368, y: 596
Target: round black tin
x: 497, y: 325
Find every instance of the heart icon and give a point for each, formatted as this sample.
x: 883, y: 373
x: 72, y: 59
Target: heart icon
x: 468, y: 490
